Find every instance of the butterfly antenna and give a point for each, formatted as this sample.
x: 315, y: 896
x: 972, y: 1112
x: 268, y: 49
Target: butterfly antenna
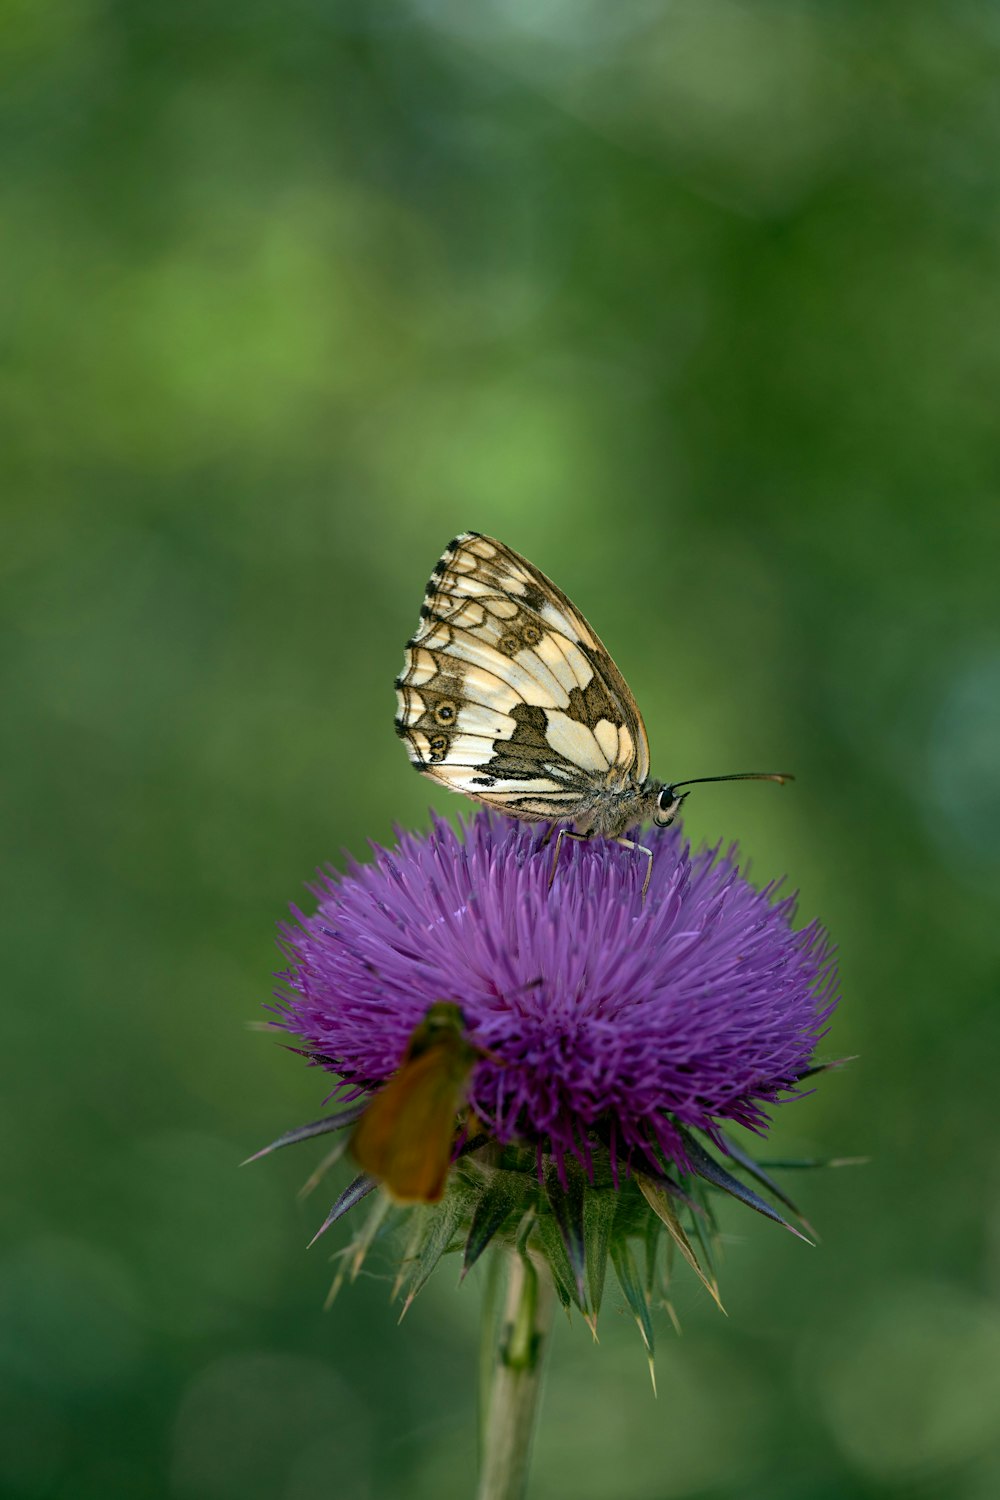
x: 779, y: 776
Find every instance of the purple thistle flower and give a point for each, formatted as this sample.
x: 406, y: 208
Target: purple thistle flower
x: 604, y: 1017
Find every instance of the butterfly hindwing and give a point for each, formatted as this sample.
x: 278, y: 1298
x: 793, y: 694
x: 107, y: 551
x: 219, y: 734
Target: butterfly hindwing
x: 507, y: 693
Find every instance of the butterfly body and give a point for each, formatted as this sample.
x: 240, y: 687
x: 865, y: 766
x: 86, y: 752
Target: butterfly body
x: 509, y: 696
x: 406, y: 1135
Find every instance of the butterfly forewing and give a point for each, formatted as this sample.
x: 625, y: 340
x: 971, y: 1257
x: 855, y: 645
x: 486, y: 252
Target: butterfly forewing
x: 507, y: 693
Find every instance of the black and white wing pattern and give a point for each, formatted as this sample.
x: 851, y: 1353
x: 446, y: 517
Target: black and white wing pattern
x: 508, y: 695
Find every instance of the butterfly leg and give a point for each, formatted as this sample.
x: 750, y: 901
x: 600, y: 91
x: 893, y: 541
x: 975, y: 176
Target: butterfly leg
x: 630, y: 844
x: 564, y: 833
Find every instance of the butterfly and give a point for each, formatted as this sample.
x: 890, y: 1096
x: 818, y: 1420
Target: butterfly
x: 508, y: 695
x: 406, y: 1135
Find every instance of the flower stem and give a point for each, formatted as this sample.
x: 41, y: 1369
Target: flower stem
x: 512, y: 1406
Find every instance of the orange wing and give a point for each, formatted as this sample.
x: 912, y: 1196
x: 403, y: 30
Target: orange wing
x: 405, y: 1136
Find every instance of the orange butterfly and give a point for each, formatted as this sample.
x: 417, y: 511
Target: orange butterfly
x: 406, y: 1135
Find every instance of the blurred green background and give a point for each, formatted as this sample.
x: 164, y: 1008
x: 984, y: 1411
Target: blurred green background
x: 698, y: 306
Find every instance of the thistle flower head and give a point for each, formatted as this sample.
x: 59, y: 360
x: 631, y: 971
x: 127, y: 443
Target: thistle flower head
x: 598, y: 1011
x: 616, y: 1034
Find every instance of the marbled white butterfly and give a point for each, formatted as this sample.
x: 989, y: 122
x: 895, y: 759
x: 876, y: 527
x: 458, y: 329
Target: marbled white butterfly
x: 509, y: 696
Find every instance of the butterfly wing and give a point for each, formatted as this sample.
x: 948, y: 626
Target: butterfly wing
x: 508, y: 695
x: 405, y: 1136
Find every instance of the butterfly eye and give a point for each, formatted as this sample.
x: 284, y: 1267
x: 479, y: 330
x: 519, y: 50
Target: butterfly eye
x: 510, y: 643
x: 667, y: 806
x: 438, y: 746
x: 532, y: 635
x: 445, y: 713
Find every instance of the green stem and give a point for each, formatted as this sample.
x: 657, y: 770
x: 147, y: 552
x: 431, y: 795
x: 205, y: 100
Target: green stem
x: 517, y: 1379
